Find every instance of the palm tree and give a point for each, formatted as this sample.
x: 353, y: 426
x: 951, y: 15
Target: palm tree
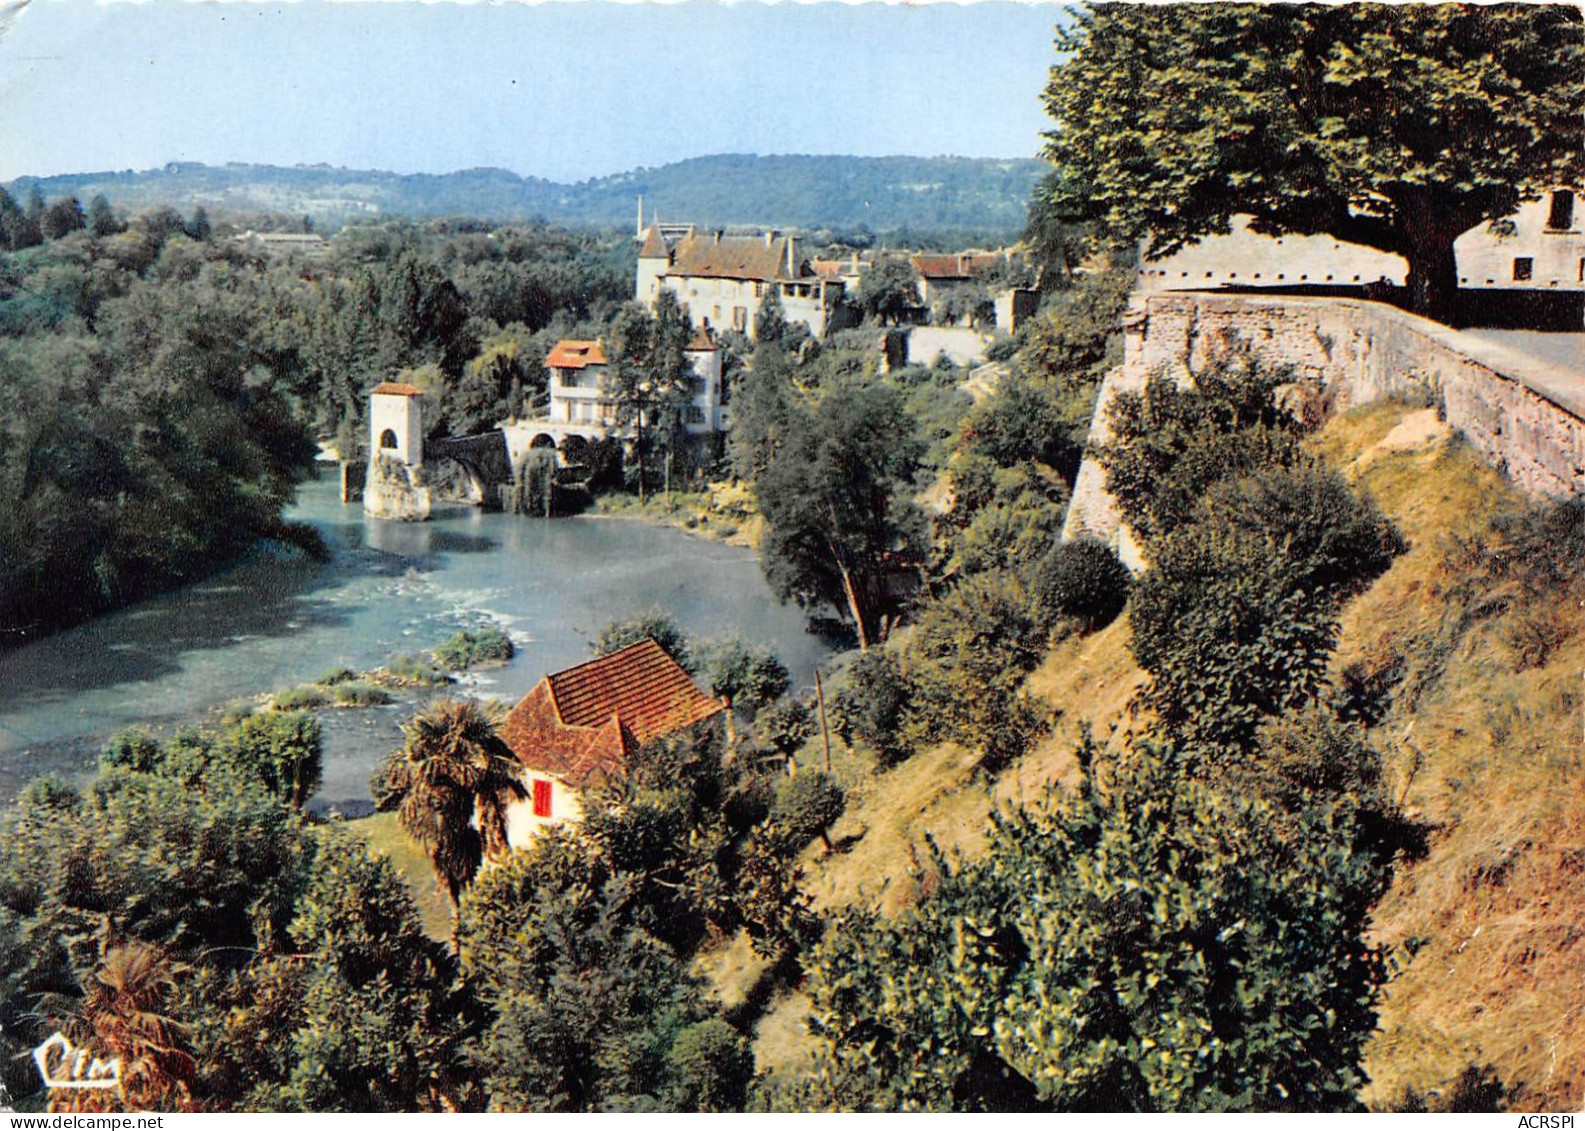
x: 122, y: 1015
x: 450, y: 785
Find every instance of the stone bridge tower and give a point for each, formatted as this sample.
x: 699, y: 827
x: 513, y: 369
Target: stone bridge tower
x: 394, y: 487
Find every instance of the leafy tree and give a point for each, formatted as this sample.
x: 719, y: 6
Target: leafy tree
x: 872, y: 705
x: 282, y: 749
x: 650, y: 378
x: 62, y: 218
x: 1172, y: 443
x: 354, y: 1009
x: 652, y: 624
x: 748, y: 678
x: 786, y: 725
x: 889, y: 291
x: 841, y: 524
x: 712, y: 1065
x: 102, y: 219
x: 807, y: 805
x: 967, y: 661
x: 1143, y: 943
x: 1399, y: 127
x: 450, y: 785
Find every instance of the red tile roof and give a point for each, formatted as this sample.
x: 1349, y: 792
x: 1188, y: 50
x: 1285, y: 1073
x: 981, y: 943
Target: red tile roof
x: 733, y: 257
x: 703, y: 342
x: 575, y: 353
x: 953, y: 266
x: 585, y: 723
x: 654, y: 246
x: 397, y: 389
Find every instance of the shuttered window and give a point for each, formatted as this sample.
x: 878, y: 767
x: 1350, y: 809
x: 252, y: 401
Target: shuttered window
x: 541, y: 798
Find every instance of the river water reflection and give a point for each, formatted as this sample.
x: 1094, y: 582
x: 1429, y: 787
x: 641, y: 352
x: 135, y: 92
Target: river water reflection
x: 275, y: 620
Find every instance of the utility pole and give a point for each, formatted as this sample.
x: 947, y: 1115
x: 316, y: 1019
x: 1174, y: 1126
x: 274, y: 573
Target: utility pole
x: 825, y: 732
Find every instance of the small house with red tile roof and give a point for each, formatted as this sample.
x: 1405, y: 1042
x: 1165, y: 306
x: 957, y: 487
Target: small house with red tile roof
x: 582, y: 727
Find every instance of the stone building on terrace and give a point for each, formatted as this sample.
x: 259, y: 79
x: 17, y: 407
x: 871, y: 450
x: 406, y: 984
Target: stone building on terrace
x: 582, y: 727
x: 720, y: 280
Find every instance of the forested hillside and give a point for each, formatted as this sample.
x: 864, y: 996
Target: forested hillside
x: 883, y: 194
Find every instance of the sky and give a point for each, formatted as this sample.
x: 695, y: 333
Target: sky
x: 564, y: 89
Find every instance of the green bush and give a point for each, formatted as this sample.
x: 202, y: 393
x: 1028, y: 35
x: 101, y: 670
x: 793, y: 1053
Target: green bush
x: 301, y: 698
x: 281, y: 749
x: 360, y: 693
x: 1081, y: 581
x: 414, y: 670
x: 1226, y: 636
x: 967, y: 660
x: 786, y: 725
x: 467, y: 649
x: 1171, y: 443
x: 712, y: 1064
x: 338, y: 675
x: 807, y: 804
x: 1141, y: 943
x: 872, y: 706
x: 749, y: 678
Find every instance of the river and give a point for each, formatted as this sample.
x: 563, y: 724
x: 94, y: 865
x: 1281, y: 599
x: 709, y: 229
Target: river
x: 275, y: 620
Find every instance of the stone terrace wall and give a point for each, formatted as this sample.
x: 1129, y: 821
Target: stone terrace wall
x: 1526, y: 418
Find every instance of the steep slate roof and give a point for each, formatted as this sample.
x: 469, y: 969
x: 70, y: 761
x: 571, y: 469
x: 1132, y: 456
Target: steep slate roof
x: 575, y: 353
x: 396, y: 389
x: 732, y: 257
x: 585, y: 723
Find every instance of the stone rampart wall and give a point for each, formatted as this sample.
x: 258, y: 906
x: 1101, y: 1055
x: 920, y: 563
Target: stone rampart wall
x: 1525, y: 418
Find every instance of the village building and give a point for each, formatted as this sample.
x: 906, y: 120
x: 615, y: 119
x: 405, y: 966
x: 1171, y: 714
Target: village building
x: 582, y: 727
x: 720, y: 280
x: 942, y: 276
x: 583, y: 407
x: 1534, y: 261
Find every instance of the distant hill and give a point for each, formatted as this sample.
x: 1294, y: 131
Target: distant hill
x: 882, y: 193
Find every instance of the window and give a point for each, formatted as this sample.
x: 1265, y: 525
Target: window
x: 541, y: 798
x: 1561, y: 217
x: 740, y: 318
x: 695, y: 414
x: 388, y: 439
x: 1523, y: 268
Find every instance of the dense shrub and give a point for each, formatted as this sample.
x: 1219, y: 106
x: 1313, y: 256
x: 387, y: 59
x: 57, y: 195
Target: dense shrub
x: 1081, y: 581
x: 1332, y: 538
x: 1141, y: 943
x: 468, y: 649
x: 871, y: 706
x: 1226, y: 636
x: 967, y: 660
x: 807, y: 804
x: 1170, y: 444
x: 748, y: 678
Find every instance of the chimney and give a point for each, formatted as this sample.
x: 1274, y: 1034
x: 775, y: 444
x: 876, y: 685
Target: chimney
x: 792, y: 268
x: 639, y: 232
x: 718, y: 234
x: 770, y: 238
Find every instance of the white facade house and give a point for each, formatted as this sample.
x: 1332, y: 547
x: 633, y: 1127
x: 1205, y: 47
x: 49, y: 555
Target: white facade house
x: 582, y: 405
x: 1540, y: 248
x: 721, y: 280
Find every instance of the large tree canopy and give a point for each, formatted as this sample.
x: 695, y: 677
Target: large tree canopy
x: 1397, y: 126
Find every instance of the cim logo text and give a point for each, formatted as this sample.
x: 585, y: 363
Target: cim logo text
x: 64, y: 1065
